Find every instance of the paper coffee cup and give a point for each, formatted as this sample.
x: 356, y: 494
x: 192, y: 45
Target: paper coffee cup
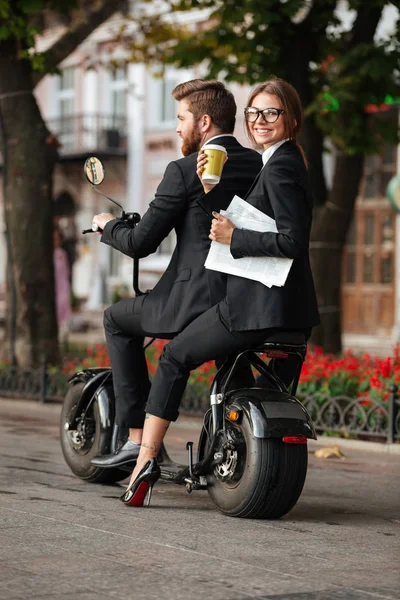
x: 215, y: 162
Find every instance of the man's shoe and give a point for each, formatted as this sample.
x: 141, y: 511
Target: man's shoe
x: 127, y: 454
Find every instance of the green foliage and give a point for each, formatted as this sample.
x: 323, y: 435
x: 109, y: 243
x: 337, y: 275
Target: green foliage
x: 247, y: 41
x: 17, y: 21
x: 351, y: 82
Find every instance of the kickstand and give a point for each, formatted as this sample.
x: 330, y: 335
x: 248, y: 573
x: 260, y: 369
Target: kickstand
x: 193, y: 482
x: 189, y: 448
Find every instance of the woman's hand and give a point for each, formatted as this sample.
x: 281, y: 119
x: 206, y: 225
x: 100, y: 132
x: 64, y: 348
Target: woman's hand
x: 201, y: 161
x: 221, y: 229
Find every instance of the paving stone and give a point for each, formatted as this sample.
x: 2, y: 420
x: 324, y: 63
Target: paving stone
x: 63, y: 538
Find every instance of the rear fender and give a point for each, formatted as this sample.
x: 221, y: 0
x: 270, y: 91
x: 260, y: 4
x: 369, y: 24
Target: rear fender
x: 88, y: 374
x: 98, y: 386
x: 272, y: 413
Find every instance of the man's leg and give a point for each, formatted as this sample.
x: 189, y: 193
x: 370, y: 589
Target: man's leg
x: 125, y: 337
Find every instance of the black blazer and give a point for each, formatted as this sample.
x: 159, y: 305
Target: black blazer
x: 282, y: 192
x: 186, y: 289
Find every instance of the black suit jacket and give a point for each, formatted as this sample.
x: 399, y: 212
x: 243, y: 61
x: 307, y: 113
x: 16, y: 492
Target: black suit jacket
x: 282, y: 192
x: 186, y: 289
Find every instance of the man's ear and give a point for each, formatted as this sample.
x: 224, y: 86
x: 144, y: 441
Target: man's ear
x: 205, y: 123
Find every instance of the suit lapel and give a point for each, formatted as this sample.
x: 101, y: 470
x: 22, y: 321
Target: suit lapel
x: 257, y: 177
x: 277, y: 151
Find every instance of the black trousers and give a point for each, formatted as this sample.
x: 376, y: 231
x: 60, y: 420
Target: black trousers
x: 125, y: 338
x: 206, y: 338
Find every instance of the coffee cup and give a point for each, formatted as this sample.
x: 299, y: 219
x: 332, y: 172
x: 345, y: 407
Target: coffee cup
x: 215, y: 163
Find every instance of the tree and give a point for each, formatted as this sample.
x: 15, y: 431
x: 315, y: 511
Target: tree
x: 337, y: 71
x: 30, y: 154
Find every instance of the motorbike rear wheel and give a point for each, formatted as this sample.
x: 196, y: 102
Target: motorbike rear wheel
x: 262, y: 478
x: 79, y: 446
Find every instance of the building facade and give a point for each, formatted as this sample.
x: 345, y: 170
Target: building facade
x: 101, y: 105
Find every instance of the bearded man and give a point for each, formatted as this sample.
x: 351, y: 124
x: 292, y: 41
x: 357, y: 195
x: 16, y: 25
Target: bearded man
x: 206, y: 112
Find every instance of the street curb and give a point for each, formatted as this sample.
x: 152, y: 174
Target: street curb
x: 329, y: 442
x: 194, y: 421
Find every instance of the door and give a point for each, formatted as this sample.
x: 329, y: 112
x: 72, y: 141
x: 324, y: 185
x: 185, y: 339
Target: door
x: 368, y: 273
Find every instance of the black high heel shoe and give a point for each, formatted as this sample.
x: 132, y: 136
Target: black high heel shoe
x: 143, y: 484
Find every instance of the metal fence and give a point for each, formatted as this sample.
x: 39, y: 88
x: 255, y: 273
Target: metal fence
x: 366, y: 418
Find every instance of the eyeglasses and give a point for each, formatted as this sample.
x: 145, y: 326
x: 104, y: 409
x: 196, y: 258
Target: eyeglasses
x: 270, y: 115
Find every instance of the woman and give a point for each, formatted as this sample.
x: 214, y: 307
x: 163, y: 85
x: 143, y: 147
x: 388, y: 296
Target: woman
x: 251, y: 311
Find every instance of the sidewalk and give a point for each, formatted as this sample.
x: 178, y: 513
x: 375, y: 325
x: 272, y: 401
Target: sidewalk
x: 63, y: 538
x: 188, y: 428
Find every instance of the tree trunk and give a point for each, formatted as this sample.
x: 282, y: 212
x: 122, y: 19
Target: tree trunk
x: 29, y: 161
x: 327, y: 241
x: 312, y: 140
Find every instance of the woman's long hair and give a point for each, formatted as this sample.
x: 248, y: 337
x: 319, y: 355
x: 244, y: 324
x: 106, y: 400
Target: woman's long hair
x: 293, y: 115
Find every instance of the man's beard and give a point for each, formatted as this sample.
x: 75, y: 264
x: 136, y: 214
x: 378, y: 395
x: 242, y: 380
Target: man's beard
x: 192, y: 142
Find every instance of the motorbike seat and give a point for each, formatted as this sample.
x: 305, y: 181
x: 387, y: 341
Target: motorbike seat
x: 290, y: 342
x: 286, y: 337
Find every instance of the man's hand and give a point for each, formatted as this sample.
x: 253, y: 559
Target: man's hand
x: 101, y: 219
x: 221, y: 229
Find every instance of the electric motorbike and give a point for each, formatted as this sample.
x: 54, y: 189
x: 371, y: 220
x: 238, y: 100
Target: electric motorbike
x: 252, y: 449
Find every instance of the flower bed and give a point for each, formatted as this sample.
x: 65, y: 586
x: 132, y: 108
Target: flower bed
x: 352, y: 375
x: 345, y: 395
x: 323, y: 375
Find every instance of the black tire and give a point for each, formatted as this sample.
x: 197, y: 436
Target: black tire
x: 78, y: 458
x: 266, y: 481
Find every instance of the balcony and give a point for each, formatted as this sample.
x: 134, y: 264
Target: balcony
x: 81, y: 135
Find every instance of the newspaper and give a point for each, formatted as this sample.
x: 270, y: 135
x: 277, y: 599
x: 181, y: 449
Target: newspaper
x: 265, y: 269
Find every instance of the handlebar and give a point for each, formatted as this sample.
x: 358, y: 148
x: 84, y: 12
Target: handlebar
x: 95, y: 228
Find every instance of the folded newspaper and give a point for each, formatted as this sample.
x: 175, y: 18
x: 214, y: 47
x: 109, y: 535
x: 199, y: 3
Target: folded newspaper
x: 265, y: 269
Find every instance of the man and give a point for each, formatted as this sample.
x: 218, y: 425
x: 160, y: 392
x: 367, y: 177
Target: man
x: 206, y: 111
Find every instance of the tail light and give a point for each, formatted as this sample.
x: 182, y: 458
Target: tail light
x: 294, y: 439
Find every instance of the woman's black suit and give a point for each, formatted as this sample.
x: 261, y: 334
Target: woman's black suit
x: 250, y: 311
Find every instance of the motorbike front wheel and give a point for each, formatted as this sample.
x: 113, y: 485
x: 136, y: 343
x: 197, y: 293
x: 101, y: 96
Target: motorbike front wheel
x: 260, y: 478
x: 80, y: 445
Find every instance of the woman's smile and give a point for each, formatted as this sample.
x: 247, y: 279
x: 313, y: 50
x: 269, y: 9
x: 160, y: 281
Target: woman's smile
x: 267, y: 134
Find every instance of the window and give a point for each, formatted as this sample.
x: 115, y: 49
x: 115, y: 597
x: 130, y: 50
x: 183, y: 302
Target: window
x: 369, y: 250
x: 350, y: 257
x: 387, y: 250
x: 379, y: 169
x: 162, y: 107
x: 118, y: 92
x: 66, y: 106
x: 367, y: 294
x: 167, y: 101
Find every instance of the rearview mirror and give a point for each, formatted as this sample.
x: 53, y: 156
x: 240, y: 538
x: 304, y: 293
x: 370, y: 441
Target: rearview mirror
x: 94, y: 170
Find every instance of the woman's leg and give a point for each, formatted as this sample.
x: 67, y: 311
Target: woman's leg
x: 206, y: 338
x: 153, y: 434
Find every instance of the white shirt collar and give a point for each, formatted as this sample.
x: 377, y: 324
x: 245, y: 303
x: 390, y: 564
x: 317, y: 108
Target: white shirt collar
x: 219, y: 135
x: 266, y: 155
